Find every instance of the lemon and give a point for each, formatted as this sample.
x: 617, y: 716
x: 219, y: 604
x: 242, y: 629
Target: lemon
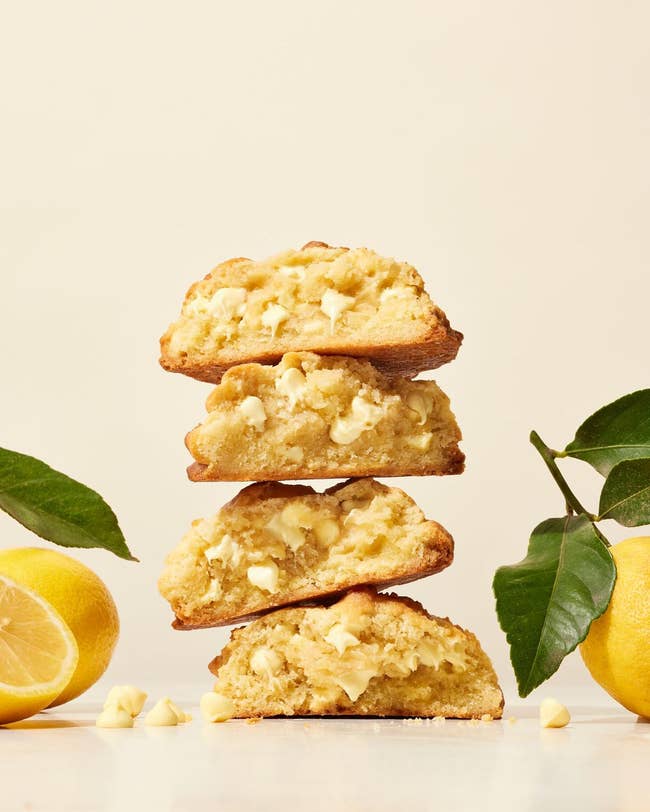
x: 617, y: 649
x: 82, y: 600
x: 38, y: 652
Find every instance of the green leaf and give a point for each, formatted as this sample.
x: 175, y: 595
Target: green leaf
x: 618, y: 431
x: 546, y: 603
x: 56, y: 507
x: 626, y: 493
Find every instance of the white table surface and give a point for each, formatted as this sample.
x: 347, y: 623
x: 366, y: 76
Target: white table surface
x: 61, y: 761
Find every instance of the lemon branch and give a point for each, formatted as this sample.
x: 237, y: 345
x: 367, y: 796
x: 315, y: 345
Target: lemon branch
x: 573, y: 504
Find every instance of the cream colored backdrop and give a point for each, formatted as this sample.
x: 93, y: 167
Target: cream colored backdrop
x: 501, y: 147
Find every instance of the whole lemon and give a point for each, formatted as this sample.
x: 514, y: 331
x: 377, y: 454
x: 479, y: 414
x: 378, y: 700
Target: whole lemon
x: 82, y: 600
x: 617, y: 649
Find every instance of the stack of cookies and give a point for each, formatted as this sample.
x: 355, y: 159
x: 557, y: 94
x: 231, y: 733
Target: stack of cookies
x: 314, y: 353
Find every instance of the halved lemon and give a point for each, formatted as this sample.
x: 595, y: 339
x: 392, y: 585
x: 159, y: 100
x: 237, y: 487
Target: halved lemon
x: 38, y: 652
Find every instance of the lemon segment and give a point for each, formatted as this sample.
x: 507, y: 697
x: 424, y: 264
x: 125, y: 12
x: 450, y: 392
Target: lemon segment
x: 617, y: 649
x: 38, y: 652
x: 80, y: 598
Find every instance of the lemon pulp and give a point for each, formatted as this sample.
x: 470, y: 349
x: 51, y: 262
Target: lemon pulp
x: 38, y: 652
x: 81, y: 599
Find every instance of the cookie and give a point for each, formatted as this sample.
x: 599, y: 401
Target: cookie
x: 333, y: 301
x: 277, y: 544
x: 366, y: 655
x: 316, y: 417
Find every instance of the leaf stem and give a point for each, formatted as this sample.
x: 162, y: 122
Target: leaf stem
x: 548, y: 455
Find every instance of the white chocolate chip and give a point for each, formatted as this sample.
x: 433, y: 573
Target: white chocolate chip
x: 326, y: 531
x: 264, y: 576
x: 228, y: 303
x: 273, y: 317
x: 333, y: 304
x: 397, y: 669
x: 227, y: 551
x: 162, y: 714
x: 354, y: 683
x: 114, y: 716
x: 553, y: 714
x: 363, y: 416
x: 342, y: 639
x: 422, y: 406
x: 292, y: 384
x: 432, y: 653
x: 265, y: 661
x: 399, y: 292
x: 422, y: 441
x: 180, y: 715
x: 213, y: 592
x: 253, y: 410
x: 292, y: 271
x: 288, y: 533
x: 294, y: 454
x: 298, y: 514
x: 216, y: 707
x: 128, y: 697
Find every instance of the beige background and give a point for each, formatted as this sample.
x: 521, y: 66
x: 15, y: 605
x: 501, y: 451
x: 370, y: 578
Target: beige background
x: 500, y: 147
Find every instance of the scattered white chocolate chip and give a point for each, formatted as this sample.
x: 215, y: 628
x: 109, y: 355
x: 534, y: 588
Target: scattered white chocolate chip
x: 363, y: 416
x: 128, y: 697
x: 264, y: 576
x: 114, y: 715
x: 354, y: 683
x: 265, y: 661
x: 333, y: 304
x: 253, y: 410
x: 180, y: 715
x: 162, y: 714
x: 273, y: 317
x: 553, y: 714
x: 339, y: 637
x: 216, y: 707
